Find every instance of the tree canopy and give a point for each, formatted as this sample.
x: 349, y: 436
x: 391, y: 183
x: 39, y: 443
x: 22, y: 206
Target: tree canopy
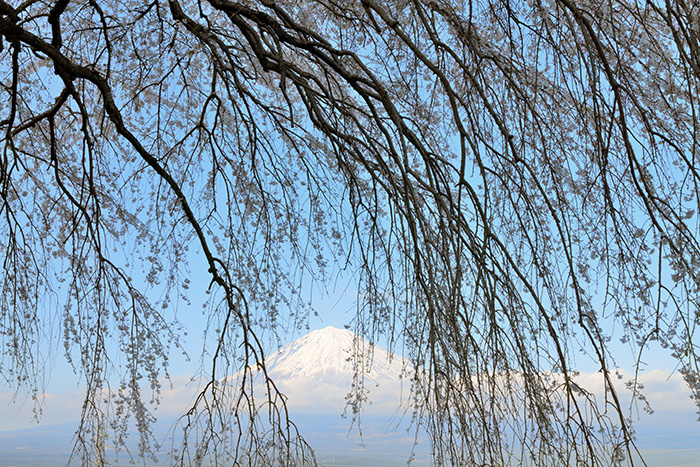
x: 512, y: 185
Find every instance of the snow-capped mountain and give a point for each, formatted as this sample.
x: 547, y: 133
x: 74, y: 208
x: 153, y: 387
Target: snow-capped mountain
x: 317, y: 372
x: 334, y: 352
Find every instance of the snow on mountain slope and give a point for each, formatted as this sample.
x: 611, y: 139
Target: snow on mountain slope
x: 316, y: 372
x: 330, y: 351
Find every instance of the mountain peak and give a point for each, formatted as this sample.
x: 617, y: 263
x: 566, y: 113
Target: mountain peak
x: 330, y: 369
x: 333, y: 352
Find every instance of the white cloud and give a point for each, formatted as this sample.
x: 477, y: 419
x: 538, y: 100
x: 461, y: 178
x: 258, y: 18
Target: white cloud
x: 665, y: 391
x: 18, y: 411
